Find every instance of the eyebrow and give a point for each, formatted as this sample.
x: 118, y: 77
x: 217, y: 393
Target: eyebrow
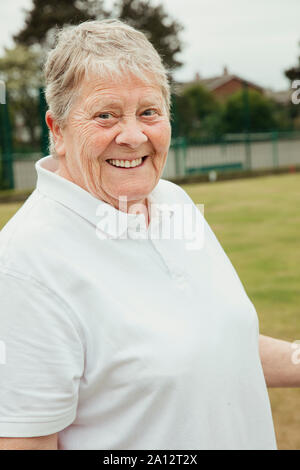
x: 150, y: 101
x: 104, y: 101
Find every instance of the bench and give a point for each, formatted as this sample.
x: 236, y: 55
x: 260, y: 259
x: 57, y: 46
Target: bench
x: 221, y: 167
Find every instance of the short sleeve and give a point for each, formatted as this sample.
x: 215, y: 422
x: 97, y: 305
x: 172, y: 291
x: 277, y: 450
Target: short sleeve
x: 41, y: 359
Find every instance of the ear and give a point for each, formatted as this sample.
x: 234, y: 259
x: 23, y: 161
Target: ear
x: 57, y: 134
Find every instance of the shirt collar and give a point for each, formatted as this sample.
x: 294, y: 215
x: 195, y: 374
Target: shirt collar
x: 104, y: 216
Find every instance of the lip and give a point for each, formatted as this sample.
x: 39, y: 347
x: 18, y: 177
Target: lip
x: 144, y: 158
x: 129, y: 159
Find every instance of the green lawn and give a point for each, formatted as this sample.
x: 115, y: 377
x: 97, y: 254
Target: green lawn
x: 7, y: 211
x: 257, y: 221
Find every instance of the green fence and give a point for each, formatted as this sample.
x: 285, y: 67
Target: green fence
x: 234, y: 152
x: 6, y: 162
x: 8, y: 153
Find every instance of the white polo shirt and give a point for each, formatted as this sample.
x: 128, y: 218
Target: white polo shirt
x: 120, y: 340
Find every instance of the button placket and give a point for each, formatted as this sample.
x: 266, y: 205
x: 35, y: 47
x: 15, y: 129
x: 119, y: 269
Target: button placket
x: 176, y: 271
x: 157, y: 229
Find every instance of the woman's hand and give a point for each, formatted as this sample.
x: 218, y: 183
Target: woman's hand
x: 280, y: 361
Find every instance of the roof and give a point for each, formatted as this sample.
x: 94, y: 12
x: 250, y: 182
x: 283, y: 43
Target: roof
x: 214, y: 83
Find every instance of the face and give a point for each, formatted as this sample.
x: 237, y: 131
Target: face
x: 116, y: 139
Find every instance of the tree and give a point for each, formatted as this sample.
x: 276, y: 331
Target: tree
x: 21, y: 69
x: 261, y: 113
x: 47, y: 15
x: 161, y: 31
x: 196, y: 113
x: 294, y: 72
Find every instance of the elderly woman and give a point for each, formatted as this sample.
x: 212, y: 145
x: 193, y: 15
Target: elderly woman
x: 119, y: 334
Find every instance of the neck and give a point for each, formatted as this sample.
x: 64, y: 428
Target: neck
x: 136, y: 207
x: 132, y: 207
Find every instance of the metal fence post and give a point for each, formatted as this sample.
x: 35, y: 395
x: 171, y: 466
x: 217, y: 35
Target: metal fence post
x: 247, y: 125
x: 177, y: 156
x: 248, y: 151
x: 179, y: 145
x: 7, y: 171
x: 275, y: 148
x: 184, y: 147
x: 44, y: 128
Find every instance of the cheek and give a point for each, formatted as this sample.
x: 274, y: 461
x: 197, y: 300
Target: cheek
x: 161, y: 138
x: 78, y: 137
x: 93, y: 141
x: 101, y: 140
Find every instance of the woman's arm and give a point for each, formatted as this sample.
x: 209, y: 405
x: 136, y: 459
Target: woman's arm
x: 280, y: 361
x: 29, y: 443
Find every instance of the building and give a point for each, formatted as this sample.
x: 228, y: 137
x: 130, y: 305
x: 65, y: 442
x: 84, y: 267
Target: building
x: 221, y: 86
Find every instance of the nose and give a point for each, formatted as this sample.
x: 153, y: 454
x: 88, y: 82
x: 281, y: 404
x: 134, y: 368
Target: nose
x: 131, y: 134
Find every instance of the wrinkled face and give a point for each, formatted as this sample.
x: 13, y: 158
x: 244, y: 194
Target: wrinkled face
x: 116, y: 139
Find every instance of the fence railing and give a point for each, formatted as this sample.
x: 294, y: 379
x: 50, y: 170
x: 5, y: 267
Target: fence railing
x: 233, y: 152
x: 13, y: 173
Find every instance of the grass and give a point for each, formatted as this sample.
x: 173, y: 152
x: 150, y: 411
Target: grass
x: 7, y: 210
x: 257, y: 221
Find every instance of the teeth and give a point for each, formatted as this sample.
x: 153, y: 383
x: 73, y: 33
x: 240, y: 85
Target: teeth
x: 126, y: 163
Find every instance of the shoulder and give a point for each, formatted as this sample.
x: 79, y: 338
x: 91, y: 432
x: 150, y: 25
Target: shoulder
x: 169, y: 192
x: 29, y: 261
x: 29, y: 232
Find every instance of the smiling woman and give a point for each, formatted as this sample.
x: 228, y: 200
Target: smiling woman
x: 125, y: 324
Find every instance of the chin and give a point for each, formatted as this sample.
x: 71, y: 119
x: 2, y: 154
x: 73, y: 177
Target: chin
x: 132, y: 197
x: 134, y: 194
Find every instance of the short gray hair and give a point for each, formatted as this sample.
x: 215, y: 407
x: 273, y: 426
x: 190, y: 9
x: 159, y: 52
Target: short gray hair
x: 108, y: 48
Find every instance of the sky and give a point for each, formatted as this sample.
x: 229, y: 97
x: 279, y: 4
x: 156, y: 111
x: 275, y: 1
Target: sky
x: 257, y: 40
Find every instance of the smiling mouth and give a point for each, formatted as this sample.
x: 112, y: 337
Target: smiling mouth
x: 127, y: 164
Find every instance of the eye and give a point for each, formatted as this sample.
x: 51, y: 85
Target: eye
x: 104, y: 116
x: 149, y: 112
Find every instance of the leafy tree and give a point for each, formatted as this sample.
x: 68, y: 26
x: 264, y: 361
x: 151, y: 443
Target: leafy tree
x: 261, y: 112
x: 21, y: 69
x: 47, y: 15
x: 196, y: 114
x: 293, y: 73
x: 156, y: 24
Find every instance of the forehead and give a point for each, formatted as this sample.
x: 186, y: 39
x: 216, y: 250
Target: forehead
x: 127, y: 89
